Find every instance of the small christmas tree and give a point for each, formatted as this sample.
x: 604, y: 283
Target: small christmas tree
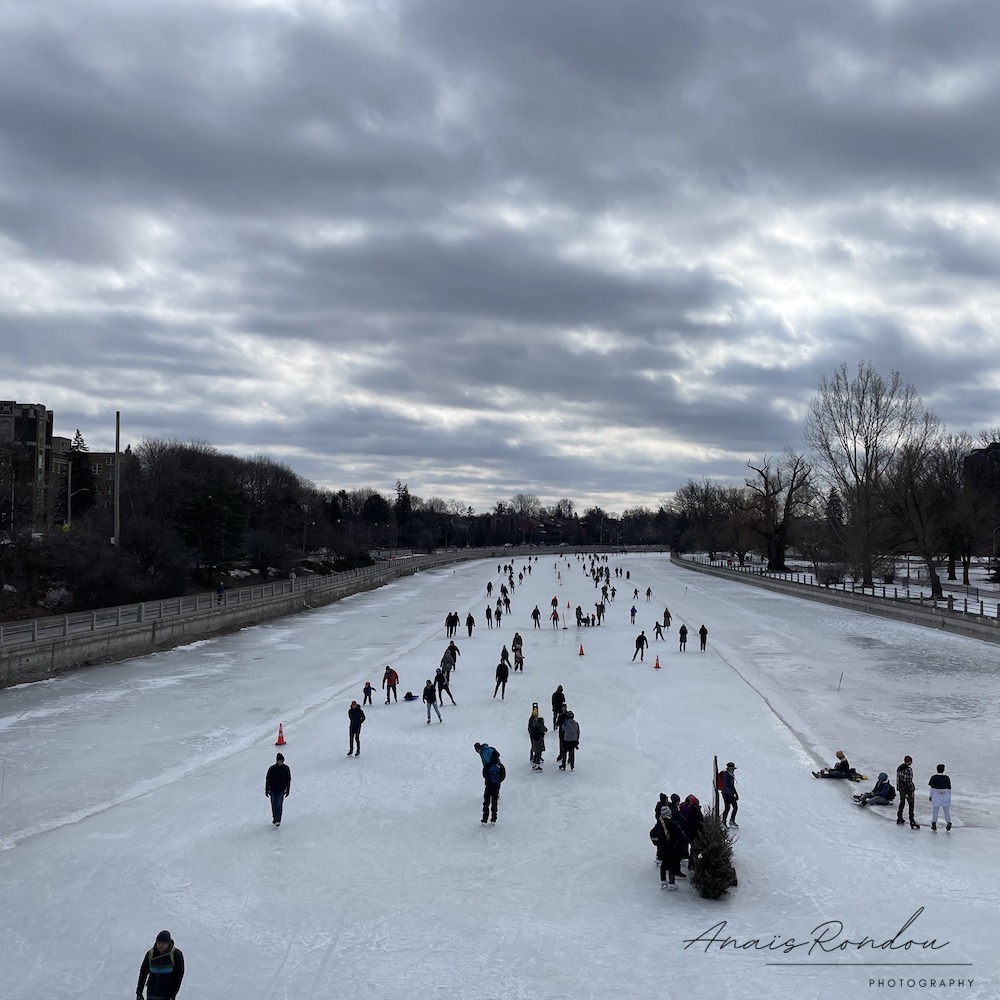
x: 712, y: 856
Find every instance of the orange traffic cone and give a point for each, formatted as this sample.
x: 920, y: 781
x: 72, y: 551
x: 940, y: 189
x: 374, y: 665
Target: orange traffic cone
x: 581, y: 649
x: 281, y: 736
x: 656, y: 666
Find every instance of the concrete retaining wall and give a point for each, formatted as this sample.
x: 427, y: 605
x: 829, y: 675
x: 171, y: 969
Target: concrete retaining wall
x: 40, y: 660
x: 959, y: 623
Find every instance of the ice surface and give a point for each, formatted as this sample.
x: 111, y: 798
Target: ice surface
x: 133, y: 800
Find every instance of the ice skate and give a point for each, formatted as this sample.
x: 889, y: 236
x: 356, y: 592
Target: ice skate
x: 948, y: 826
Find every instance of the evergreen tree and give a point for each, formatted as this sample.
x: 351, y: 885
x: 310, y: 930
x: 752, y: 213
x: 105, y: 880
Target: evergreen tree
x: 712, y: 853
x: 83, y: 483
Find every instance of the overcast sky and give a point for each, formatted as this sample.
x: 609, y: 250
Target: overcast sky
x: 569, y: 247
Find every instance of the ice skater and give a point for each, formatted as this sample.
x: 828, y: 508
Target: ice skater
x: 730, y: 797
x: 494, y: 774
x: 356, y: 717
x: 569, y: 732
x: 162, y: 969
x: 905, y: 790
x: 430, y: 699
x: 389, y: 681
x: 641, y: 642
x: 682, y: 638
x: 502, y: 675
x: 369, y: 690
x: 536, y: 733
x: 940, y: 797
x: 703, y: 638
x: 277, y: 786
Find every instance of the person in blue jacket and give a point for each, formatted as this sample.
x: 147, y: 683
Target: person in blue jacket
x: 882, y: 792
x: 494, y: 774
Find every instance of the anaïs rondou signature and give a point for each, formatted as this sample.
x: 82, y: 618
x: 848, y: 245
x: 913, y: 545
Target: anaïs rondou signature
x: 826, y: 938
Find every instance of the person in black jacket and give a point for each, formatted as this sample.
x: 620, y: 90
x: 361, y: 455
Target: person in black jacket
x: 494, y: 774
x: 558, y: 700
x: 162, y: 969
x: 842, y: 769
x: 278, y: 785
x: 356, y: 716
x: 430, y: 699
x: 503, y: 673
x: 670, y: 848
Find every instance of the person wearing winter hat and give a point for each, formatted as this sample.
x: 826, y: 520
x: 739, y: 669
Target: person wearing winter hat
x: 355, y: 718
x: 278, y: 785
x: 536, y: 733
x: 842, y: 769
x: 882, y: 792
x: 162, y: 970
x: 570, y: 730
x: 494, y: 774
x: 730, y: 797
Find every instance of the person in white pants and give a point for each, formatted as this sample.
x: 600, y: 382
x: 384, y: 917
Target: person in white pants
x: 940, y: 797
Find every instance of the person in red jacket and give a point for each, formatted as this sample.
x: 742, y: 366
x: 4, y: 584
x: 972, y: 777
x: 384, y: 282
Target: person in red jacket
x: 389, y: 681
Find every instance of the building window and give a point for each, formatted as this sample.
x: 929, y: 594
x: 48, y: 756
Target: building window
x: 96, y: 469
x: 110, y: 461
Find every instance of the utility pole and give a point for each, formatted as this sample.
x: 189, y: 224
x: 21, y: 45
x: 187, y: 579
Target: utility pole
x: 118, y: 476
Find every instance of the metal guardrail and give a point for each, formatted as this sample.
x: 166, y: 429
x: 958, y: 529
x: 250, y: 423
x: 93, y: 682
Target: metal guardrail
x: 890, y: 592
x: 67, y: 626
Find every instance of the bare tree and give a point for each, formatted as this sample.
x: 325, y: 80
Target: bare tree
x: 779, y: 492
x: 526, y: 504
x: 856, y: 427
x: 912, y: 494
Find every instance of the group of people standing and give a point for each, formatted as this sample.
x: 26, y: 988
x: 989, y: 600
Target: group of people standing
x: 678, y: 824
x: 882, y: 792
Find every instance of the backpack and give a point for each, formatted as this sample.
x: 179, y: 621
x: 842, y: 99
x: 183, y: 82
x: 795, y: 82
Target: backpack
x: 495, y: 773
x: 718, y: 780
x: 891, y: 793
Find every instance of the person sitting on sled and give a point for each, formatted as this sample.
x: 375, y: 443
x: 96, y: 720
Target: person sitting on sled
x: 842, y: 769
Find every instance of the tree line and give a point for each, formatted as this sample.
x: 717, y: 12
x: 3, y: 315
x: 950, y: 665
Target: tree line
x: 880, y: 477
x: 190, y: 514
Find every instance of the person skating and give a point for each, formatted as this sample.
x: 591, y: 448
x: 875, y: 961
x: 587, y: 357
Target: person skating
x: 560, y: 719
x: 730, y: 797
x: 555, y: 618
x: 443, y: 684
x: 278, y: 786
x: 570, y: 730
x: 369, y: 690
x: 666, y: 618
x: 453, y: 651
x: 641, y: 642
x: 682, y: 638
x: 905, y: 789
x: 536, y: 732
x: 649, y: 594
x: 489, y: 617
x: 536, y: 617
x: 558, y: 700
x: 494, y: 774
x: 940, y: 797
x: 657, y: 630
x: 703, y: 638
x: 162, y: 969
x: 429, y: 697
x: 633, y: 613
x: 502, y: 674
x: 470, y: 623
x: 389, y: 681
x: 505, y: 656
x: 356, y: 717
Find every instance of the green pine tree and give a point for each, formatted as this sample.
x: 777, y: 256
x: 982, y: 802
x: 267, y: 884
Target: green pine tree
x: 712, y: 856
